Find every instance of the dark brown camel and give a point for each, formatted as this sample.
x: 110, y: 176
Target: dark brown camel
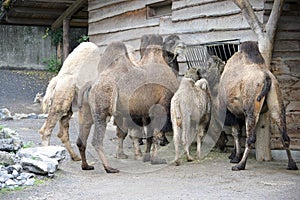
x: 118, y: 91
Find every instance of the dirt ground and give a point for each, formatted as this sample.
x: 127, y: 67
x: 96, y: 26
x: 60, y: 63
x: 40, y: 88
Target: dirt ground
x: 210, y: 178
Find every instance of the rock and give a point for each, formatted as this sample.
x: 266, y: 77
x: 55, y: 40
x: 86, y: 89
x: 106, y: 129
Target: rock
x: 42, y: 160
x: 9, y: 140
x: 5, y: 114
x: 7, y: 158
x: 29, y: 182
x: 10, y: 182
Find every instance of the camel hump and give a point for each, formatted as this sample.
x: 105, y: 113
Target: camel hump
x: 266, y: 87
x: 250, y: 48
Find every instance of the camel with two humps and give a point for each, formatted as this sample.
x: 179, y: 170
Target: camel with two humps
x: 133, y: 95
x: 171, y: 47
x: 246, y: 88
x: 61, y: 94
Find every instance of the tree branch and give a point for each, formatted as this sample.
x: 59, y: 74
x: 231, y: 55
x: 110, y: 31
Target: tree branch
x: 250, y: 16
x: 272, y: 23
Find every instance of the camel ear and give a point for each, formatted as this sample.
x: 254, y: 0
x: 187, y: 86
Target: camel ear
x: 202, y: 84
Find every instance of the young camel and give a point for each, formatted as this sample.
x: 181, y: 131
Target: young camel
x: 190, y: 114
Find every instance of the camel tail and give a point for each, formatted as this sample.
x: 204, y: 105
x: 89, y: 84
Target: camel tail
x: 265, y: 89
x: 47, y: 99
x: 82, y: 92
x: 178, y: 114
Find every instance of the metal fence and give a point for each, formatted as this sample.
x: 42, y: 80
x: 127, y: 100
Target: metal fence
x: 198, y: 54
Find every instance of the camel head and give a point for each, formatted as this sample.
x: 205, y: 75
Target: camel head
x: 173, y: 45
x: 38, y: 98
x: 193, y: 73
x: 150, y: 39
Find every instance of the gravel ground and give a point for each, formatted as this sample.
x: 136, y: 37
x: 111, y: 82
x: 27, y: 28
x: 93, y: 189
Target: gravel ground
x: 19, y: 87
x: 210, y: 178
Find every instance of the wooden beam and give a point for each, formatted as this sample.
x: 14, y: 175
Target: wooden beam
x: 44, y: 11
x: 66, y: 33
x: 28, y: 21
x: 56, y: 1
x: 68, y: 13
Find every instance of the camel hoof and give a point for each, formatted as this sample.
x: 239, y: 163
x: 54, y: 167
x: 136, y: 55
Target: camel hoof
x: 121, y: 156
x: 177, y: 163
x: 76, y: 158
x: 164, y: 142
x: 238, y: 168
x: 158, y: 161
x: 111, y: 170
x: 292, y: 166
x: 235, y: 160
x: 146, y: 157
x: 190, y: 159
x: 87, y: 167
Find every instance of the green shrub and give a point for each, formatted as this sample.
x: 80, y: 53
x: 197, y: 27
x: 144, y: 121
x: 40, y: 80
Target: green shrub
x: 53, y: 64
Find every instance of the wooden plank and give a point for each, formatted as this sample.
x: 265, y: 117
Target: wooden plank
x: 276, y: 144
x: 132, y: 20
x: 286, y: 46
x: 207, y: 36
x: 96, y: 4
x: 128, y: 35
x: 68, y: 13
x: 287, y: 35
x: 224, y: 23
x: 286, y: 55
x: 101, y: 12
x: 177, y: 5
x: 214, y: 9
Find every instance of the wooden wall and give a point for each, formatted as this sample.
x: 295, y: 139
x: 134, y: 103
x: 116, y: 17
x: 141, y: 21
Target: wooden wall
x: 286, y: 67
x: 201, y: 21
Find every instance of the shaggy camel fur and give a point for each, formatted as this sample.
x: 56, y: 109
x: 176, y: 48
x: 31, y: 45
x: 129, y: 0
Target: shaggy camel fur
x: 170, y: 51
x: 128, y: 92
x: 245, y: 86
x: 79, y: 67
x: 190, y: 114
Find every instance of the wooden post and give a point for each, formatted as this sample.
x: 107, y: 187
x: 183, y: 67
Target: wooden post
x: 66, y: 31
x: 263, y: 143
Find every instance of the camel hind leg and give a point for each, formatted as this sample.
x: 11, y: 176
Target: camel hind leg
x: 251, y: 120
x: 97, y: 142
x: 120, y: 149
x: 85, y: 124
x: 47, y: 128
x: 63, y: 134
x: 176, y: 139
x: 277, y: 112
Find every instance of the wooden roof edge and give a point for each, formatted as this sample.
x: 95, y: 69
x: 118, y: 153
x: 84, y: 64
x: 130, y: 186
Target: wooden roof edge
x: 68, y: 13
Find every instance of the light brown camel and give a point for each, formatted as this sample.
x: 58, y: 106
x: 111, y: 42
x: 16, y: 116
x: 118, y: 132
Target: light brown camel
x: 131, y: 94
x: 246, y: 86
x: 79, y: 67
